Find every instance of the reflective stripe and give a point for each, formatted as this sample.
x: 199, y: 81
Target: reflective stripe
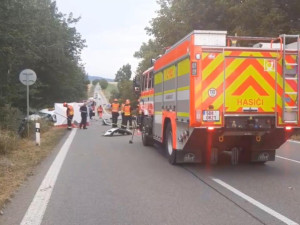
x: 183, y: 88
x: 115, y: 107
x: 127, y: 111
x: 159, y: 93
x: 70, y: 110
x: 183, y: 114
x: 169, y: 91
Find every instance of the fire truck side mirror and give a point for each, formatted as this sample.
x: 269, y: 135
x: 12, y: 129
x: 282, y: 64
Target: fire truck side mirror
x: 136, y: 89
x: 152, y: 61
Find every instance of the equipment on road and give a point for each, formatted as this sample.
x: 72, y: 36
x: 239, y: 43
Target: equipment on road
x: 209, y: 95
x: 106, y: 122
x: 74, y: 121
x: 134, y: 127
x: 117, y: 131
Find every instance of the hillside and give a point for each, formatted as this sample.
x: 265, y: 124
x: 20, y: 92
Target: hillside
x: 92, y: 78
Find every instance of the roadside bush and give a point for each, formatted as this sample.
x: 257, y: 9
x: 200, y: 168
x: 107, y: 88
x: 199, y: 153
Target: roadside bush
x: 10, y: 118
x: 8, y: 141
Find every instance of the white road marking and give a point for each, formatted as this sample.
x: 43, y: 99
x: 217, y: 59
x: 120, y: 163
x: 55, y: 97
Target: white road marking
x: 37, y: 208
x: 256, y: 203
x: 292, y: 160
x: 293, y: 141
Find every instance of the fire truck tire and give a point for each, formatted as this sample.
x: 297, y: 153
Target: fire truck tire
x: 235, y: 156
x: 169, y: 145
x: 214, y: 156
x: 147, y: 140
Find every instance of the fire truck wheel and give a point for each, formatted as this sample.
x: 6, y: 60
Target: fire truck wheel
x: 235, y: 156
x: 214, y: 156
x: 147, y: 140
x: 169, y: 145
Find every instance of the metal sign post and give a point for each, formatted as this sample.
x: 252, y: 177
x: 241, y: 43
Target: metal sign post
x: 27, y: 77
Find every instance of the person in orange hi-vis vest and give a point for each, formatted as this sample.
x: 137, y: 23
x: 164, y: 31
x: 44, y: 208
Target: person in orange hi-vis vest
x: 127, y: 115
x: 115, y: 112
x: 70, y: 114
x: 100, y: 111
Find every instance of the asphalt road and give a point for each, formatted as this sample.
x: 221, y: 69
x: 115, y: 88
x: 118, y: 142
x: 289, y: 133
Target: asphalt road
x: 106, y: 180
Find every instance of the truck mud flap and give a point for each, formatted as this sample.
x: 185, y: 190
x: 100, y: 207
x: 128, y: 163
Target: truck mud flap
x: 262, y: 156
x: 188, y: 157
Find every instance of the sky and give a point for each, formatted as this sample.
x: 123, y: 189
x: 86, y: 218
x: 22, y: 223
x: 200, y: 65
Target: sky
x: 113, y: 29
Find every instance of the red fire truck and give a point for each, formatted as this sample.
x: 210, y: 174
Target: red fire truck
x: 208, y: 94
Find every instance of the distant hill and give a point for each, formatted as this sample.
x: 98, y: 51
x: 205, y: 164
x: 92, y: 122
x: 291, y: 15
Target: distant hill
x: 92, y: 78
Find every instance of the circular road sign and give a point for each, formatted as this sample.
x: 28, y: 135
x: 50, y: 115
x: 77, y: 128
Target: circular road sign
x: 27, y: 77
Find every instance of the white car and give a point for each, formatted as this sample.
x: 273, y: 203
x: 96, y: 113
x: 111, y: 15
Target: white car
x: 48, y: 114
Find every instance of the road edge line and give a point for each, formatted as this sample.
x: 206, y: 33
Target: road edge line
x: 256, y: 203
x: 292, y: 160
x: 35, y: 212
x: 294, y: 141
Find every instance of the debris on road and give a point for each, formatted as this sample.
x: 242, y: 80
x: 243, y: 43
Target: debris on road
x: 118, y: 131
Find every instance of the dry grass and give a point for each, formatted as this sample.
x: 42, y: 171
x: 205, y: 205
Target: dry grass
x: 296, y: 137
x: 8, y: 141
x: 19, y: 163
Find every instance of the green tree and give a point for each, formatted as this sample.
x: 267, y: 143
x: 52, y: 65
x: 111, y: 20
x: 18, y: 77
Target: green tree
x: 96, y: 81
x: 103, y: 83
x: 124, y: 73
x: 147, y: 52
x: 33, y: 34
x: 114, y: 94
x: 125, y: 85
x: 176, y: 18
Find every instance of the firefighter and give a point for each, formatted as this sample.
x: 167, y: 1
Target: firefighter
x: 70, y: 114
x: 83, y: 110
x: 100, y: 111
x: 127, y: 115
x: 115, y: 112
x: 122, y: 113
x: 139, y: 114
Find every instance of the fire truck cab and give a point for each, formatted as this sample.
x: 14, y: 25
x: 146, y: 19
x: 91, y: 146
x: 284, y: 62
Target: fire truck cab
x: 208, y: 95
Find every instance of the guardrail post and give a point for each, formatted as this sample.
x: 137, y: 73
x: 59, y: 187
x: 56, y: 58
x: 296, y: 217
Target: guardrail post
x: 37, y: 134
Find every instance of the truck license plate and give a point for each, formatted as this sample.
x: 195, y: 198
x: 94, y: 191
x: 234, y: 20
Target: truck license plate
x: 211, y: 115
